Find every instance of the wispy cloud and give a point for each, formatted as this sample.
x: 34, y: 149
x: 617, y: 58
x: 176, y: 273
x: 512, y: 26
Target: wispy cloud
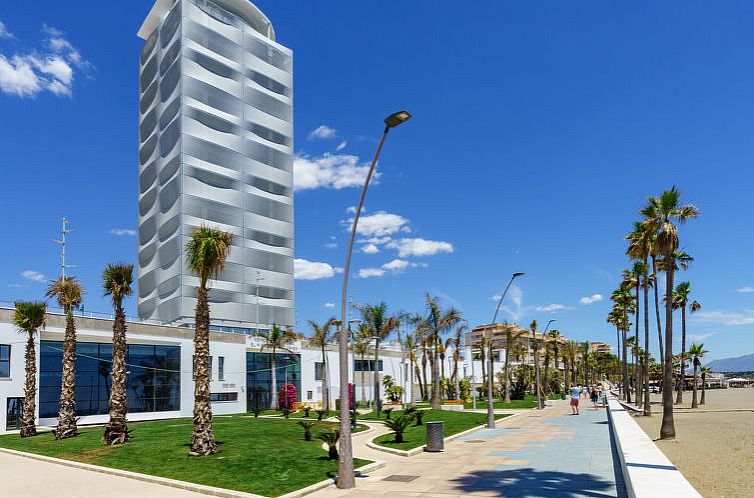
x: 51, y: 69
x: 700, y: 337
x: 4, y: 33
x: 333, y: 171
x: 15, y: 286
x: 329, y: 305
x: 370, y: 272
x: 420, y: 247
x: 747, y: 289
x: 591, y: 299
x: 552, y: 308
x: 516, y: 308
x: 746, y: 317
x: 120, y: 232
x: 311, y: 270
x: 342, y: 145
x: 393, y: 267
x: 34, y: 276
x: 322, y: 132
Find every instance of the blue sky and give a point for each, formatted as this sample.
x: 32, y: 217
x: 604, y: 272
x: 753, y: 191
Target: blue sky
x: 538, y: 131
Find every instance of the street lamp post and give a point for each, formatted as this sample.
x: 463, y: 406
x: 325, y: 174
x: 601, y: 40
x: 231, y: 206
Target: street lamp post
x: 346, y: 478
x: 490, y: 367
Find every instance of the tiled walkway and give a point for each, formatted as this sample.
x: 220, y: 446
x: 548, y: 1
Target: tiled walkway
x: 536, y: 454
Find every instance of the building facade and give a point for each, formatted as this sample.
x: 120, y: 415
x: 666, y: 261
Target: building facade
x: 216, y: 149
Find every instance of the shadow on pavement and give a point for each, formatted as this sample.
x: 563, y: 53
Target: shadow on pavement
x: 528, y: 482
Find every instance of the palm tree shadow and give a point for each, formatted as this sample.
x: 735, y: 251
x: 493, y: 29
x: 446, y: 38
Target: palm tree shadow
x: 528, y: 482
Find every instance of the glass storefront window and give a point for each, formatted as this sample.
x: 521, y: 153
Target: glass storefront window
x: 259, y: 377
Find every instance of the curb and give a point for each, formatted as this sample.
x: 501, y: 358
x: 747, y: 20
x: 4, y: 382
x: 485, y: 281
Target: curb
x: 188, y: 486
x: 415, y: 451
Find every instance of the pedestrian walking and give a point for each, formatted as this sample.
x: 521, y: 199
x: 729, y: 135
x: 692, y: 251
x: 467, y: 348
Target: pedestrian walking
x: 575, y: 394
x: 594, y: 397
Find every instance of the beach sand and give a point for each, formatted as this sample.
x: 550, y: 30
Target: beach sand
x: 714, y: 445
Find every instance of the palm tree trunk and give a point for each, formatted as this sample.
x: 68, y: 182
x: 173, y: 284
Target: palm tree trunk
x: 419, y: 379
x: 557, y: 370
x: 507, y: 374
x: 436, y: 396
x: 325, y: 388
x: 667, y: 429
x: 546, y: 386
x: 704, y: 388
x: 694, y: 403
x: 363, y: 383
x: 67, y: 417
x: 647, y: 404
x: 28, y: 426
x: 638, y: 391
x: 455, y: 375
x: 425, y: 394
x: 484, y: 370
x: 274, y: 379
x: 537, y: 385
x: 626, y: 387
x: 116, y: 431
x: 202, y: 436
x: 657, y: 313
x: 682, y: 383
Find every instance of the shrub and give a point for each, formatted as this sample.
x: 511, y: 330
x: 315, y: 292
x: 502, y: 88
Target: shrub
x: 465, y: 386
x: 256, y: 412
x: 307, y: 409
x: 287, y: 397
x: 419, y: 415
x: 320, y: 414
x: 330, y: 438
x: 307, y: 429
x: 387, y: 412
x: 394, y: 393
x: 286, y: 412
x: 399, y: 425
x: 410, y: 409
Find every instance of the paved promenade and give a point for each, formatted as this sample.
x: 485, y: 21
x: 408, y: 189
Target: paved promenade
x: 535, y: 454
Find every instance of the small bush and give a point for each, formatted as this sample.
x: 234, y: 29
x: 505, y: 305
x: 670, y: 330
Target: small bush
x: 330, y: 437
x: 419, y: 415
x: 307, y: 409
x: 256, y: 412
x: 307, y: 429
x: 387, y: 412
x: 320, y: 414
x: 286, y: 412
x: 399, y: 425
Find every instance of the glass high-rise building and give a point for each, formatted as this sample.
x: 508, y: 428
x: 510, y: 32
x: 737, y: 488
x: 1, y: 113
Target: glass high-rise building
x: 215, y: 148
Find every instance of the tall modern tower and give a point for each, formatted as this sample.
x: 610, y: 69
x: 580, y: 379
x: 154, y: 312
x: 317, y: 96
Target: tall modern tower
x: 216, y: 149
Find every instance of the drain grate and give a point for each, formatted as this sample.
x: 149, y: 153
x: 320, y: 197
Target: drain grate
x: 400, y: 478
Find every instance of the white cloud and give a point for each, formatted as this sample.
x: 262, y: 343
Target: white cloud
x: 123, y: 231
x: 331, y: 245
x: 379, y: 224
x: 370, y: 249
x: 420, y: 247
x: 516, y: 309
x: 311, y: 270
x: 342, y: 145
x: 322, y: 132
x: 26, y: 75
x: 551, y: 308
x: 495, y: 297
x: 4, y: 33
x: 746, y: 289
x: 336, y: 171
x: 15, y: 286
x: 724, y: 317
x: 34, y: 276
x: 329, y: 305
x: 396, y: 265
x: 371, y: 272
x: 699, y: 337
x: 591, y: 299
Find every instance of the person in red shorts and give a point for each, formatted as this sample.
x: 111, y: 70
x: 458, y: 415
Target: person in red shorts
x: 575, y: 392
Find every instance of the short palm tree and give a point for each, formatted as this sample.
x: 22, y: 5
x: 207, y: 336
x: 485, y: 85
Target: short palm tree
x: 662, y: 215
x: 274, y: 339
x: 321, y: 337
x: 68, y: 293
x: 535, y: 347
x: 705, y: 371
x: 380, y: 325
x: 29, y: 317
x: 696, y: 351
x: 206, y: 252
x: 116, y: 281
x: 399, y: 425
x: 680, y: 298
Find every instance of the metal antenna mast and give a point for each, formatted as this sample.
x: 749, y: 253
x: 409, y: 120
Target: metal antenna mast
x: 62, y: 243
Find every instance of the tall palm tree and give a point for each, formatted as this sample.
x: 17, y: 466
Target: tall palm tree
x: 436, y: 322
x: 381, y: 325
x: 482, y: 357
x: 584, y: 347
x: 680, y: 300
x: 535, y: 348
x: 68, y: 293
x: 512, y: 335
x: 206, y: 252
x: 554, y: 340
x: 321, y: 337
x: 662, y: 215
x: 696, y: 351
x: 361, y: 347
x: 624, y: 303
x: 705, y: 371
x: 457, y: 342
x: 639, y: 249
x: 29, y: 317
x: 116, y: 282
x: 274, y: 339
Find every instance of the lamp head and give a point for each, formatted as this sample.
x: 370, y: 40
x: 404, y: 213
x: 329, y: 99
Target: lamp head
x: 397, y: 118
x: 518, y: 274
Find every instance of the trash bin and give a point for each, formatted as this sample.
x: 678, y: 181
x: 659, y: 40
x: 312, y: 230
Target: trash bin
x: 435, y: 437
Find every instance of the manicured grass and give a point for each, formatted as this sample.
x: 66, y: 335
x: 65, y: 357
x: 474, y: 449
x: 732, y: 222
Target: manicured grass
x: 263, y: 456
x: 529, y: 401
x: 416, y: 436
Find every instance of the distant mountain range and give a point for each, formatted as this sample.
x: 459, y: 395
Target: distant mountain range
x: 743, y: 363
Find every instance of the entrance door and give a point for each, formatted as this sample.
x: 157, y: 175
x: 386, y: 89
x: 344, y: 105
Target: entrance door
x: 13, y: 414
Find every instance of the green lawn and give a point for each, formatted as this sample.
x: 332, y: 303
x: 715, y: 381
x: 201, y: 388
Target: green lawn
x: 529, y: 401
x: 263, y: 456
x: 416, y: 436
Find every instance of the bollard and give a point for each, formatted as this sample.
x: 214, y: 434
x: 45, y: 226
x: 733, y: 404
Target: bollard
x: 435, y: 437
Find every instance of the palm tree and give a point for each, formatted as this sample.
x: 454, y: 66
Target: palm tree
x: 680, y: 298
x: 29, y: 317
x: 482, y: 357
x: 436, y: 322
x: 640, y: 247
x: 661, y: 215
x: 624, y: 305
x: 206, y: 252
x: 705, y: 371
x: 535, y: 348
x: 457, y: 341
x: 361, y: 347
x: 321, y: 336
x: 116, y: 281
x: 554, y: 339
x: 584, y: 348
x: 380, y: 325
x: 696, y: 351
x: 276, y: 338
x: 68, y: 292
x: 512, y: 335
